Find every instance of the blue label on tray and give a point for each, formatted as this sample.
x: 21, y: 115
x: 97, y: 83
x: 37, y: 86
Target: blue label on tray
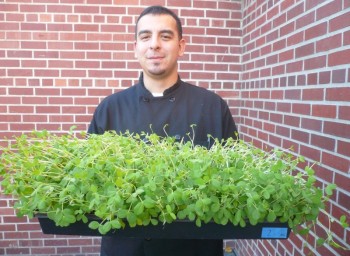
x: 274, y: 233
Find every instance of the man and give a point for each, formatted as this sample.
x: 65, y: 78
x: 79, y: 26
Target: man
x: 162, y: 103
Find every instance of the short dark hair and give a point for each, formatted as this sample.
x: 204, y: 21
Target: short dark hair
x: 160, y: 10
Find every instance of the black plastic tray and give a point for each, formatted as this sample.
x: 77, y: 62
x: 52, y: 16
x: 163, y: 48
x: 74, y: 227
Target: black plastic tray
x: 181, y: 229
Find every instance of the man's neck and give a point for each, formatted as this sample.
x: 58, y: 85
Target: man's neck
x: 159, y: 85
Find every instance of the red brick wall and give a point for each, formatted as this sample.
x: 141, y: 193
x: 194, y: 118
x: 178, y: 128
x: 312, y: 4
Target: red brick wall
x: 289, y: 87
x: 295, y: 92
x: 59, y: 58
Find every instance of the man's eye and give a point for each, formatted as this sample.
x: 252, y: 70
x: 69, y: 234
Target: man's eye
x: 166, y: 37
x: 145, y: 37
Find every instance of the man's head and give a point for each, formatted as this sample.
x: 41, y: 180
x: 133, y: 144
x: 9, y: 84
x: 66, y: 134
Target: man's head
x: 160, y: 10
x: 159, y: 44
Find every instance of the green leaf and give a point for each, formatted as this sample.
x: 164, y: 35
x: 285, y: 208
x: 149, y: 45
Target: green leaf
x: 122, y: 213
x: 271, y: 217
x: 131, y: 218
x: 138, y: 209
x: 329, y: 189
x: 215, y: 207
x: 94, y: 225
x: 303, y: 231
x: 320, y: 242
x: 343, y: 221
x: 238, y: 216
x: 149, y: 203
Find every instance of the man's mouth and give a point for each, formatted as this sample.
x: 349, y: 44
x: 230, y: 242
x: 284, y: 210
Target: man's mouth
x: 155, y: 57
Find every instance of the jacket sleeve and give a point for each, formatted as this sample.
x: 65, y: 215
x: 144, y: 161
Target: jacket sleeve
x: 99, y: 122
x: 229, y: 129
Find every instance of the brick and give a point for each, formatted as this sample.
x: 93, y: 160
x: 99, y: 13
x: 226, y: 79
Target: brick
x: 15, y: 17
x: 339, y: 58
x: 324, y: 77
x: 28, y: 227
x: 305, y: 50
x: 300, y: 136
x: 279, y: 45
x: 316, y: 31
x: 33, y: 63
x: 32, y: 17
x: 309, y: 152
x: 346, y: 38
x: 326, y: 111
x: 295, y: 66
x: 52, y: 8
x: 344, y: 200
x: 59, y: 27
x: 294, y: 94
x: 311, y: 124
x: 329, y: 43
x: 32, y: 8
x: 9, y: 63
x: 45, y: 36
x: 145, y: 2
x: 315, y: 62
x: 272, y: 36
x: 46, y: 54
x: 312, y: 78
x: 323, y: 142
x: 17, y: 251
x: 20, y: 72
x: 339, y: 22
x: 16, y: 235
x: 43, y: 251
x: 35, y: 118
x: 22, y: 127
x: 95, y: 9
x: 55, y: 242
x: 47, y: 109
x: 323, y: 173
x: 303, y: 109
x: 292, y: 120
x: 217, y: 14
x: 338, y: 76
x: 344, y: 112
x: 33, y: 26
x: 19, y: 54
x: 295, y: 11
x: 338, y: 94
x: 342, y: 181
x: 343, y: 147
x: 329, y: 9
x: 67, y: 250
x: 337, y: 129
x: 46, y: 73
x: 305, y: 20
x: 4, y: 26
x: 8, y: 7
x: 33, y: 45
x: 61, y: 101
x: 286, y: 55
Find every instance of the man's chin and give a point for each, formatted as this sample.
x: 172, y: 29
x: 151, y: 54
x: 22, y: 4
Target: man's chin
x: 156, y: 73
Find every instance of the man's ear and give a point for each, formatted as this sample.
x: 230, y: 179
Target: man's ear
x: 182, y: 46
x: 135, y: 44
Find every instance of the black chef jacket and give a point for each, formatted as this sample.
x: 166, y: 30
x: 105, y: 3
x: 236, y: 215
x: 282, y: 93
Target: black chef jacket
x: 184, y: 110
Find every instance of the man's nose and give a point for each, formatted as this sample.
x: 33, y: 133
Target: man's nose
x: 155, y: 43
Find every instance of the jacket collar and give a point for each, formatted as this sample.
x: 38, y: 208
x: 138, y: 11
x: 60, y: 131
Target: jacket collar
x: 166, y: 92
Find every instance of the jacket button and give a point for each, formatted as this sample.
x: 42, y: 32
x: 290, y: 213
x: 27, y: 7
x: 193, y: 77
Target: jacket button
x: 172, y: 99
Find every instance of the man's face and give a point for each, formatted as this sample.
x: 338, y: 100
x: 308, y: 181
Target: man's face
x: 158, y: 46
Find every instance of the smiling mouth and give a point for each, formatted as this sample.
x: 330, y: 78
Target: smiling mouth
x: 155, y: 57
